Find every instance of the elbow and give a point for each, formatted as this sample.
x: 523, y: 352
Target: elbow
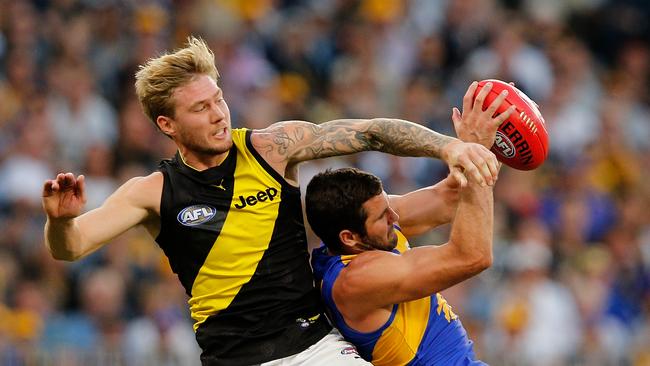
x: 477, y: 261
x: 480, y: 262
x: 483, y: 262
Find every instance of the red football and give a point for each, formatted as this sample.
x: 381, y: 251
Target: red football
x: 521, y: 141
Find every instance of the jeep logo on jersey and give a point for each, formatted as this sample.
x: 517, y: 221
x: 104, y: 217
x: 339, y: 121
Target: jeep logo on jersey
x: 260, y: 196
x: 196, y: 215
x: 504, y: 146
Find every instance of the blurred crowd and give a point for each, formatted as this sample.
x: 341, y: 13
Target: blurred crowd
x: 571, y: 280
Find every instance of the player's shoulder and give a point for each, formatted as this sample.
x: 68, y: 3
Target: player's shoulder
x: 365, y: 264
x: 356, y: 289
x: 370, y: 256
x: 152, y: 180
x: 279, y: 131
x: 265, y: 135
x: 143, y: 191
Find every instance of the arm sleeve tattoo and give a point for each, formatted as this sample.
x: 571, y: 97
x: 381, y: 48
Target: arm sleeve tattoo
x: 298, y: 141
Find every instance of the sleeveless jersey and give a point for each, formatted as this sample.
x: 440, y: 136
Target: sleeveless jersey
x: 234, y: 235
x: 418, y: 332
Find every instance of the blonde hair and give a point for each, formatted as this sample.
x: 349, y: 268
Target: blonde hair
x: 157, y: 79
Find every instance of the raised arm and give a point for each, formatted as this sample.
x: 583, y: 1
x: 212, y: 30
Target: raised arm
x: 365, y: 285
x: 300, y: 141
x: 70, y: 236
x: 285, y: 144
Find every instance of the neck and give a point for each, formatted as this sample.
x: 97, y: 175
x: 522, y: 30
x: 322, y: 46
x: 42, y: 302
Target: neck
x: 361, y: 247
x: 340, y: 251
x: 199, y: 161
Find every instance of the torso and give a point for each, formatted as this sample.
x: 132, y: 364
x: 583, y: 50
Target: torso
x: 234, y: 235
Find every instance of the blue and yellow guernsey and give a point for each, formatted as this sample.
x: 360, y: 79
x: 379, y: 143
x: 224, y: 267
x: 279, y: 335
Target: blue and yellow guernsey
x: 419, y: 332
x: 234, y: 235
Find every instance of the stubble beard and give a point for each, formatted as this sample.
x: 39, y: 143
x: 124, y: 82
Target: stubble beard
x: 205, y: 149
x: 380, y: 245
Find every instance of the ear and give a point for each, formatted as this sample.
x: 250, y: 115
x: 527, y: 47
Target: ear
x: 347, y: 237
x: 166, y: 125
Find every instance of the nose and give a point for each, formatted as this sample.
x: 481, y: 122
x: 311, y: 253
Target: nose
x: 218, y: 112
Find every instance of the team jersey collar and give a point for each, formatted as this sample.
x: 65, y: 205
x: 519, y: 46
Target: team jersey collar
x: 321, y: 261
x: 210, y: 175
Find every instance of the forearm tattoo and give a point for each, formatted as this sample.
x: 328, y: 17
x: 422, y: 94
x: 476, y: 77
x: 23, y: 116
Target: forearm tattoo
x: 300, y: 141
x: 403, y: 138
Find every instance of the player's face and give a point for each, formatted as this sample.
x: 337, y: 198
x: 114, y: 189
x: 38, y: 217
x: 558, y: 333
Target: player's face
x: 380, y: 232
x: 202, y: 117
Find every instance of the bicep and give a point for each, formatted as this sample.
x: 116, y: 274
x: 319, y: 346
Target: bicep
x: 390, y: 279
x: 380, y: 279
x: 364, y: 286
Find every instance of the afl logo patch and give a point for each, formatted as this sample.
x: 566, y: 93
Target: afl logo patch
x: 196, y: 215
x: 504, y: 146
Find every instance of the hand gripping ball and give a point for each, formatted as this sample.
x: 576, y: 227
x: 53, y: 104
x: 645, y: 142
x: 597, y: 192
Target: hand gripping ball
x: 521, y: 141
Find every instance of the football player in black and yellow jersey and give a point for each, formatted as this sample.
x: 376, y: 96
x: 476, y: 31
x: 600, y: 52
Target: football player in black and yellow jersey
x: 382, y: 295
x: 226, y: 211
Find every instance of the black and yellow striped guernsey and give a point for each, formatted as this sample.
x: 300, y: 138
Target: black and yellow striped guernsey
x: 235, y: 236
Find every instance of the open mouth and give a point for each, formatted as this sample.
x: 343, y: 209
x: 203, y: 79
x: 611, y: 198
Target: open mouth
x: 221, y: 133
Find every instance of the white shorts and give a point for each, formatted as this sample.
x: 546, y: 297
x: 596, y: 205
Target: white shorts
x: 333, y: 349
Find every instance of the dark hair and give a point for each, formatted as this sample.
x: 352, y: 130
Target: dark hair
x: 334, y: 200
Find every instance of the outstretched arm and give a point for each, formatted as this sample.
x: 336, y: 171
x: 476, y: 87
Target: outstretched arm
x: 300, y: 141
x: 285, y: 144
x: 70, y: 235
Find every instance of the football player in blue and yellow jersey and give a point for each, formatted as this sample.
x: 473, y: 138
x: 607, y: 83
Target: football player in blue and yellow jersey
x: 382, y: 295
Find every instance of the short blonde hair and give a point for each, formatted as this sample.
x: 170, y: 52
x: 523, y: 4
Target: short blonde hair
x: 157, y: 79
